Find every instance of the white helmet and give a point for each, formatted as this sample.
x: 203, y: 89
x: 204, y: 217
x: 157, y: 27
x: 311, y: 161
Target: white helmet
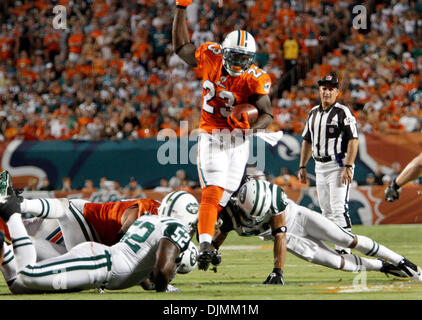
x: 189, y: 259
x: 254, y: 201
x: 239, y: 50
x: 180, y: 205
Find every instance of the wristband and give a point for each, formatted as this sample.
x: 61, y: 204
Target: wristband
x: 348, y: 166
x: 282, y: 229
x: 394, y: 185
x: 302, y: 167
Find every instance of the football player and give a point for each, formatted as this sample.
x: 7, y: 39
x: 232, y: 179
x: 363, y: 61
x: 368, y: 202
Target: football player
x: 412, y: 171
x: 229, y: 77
x: 250, y: 214
x: 151, y: 245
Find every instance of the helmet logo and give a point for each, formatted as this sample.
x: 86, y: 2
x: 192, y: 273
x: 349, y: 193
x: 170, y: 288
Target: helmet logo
x: 192, y: 208
x: 242, y: 194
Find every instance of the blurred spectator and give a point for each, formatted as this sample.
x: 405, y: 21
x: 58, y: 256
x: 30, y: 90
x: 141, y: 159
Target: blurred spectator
x: 46, y: 185
x: 66, y: 184
x: 396, y: 167
x: 133, y: 190
x: 89, y: 186
x: 185, y: 186
x: 287, y: 180
x: 176, y: 181
x: 386, y: 180
x: 370, y: 179
x: 163, y: 187
x: 32, y: 185
x: 379, y: 176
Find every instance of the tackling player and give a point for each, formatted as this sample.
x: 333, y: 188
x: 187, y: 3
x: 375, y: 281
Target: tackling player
x: 148, y: 249
x: 229, y: 77
x: 259, y: 202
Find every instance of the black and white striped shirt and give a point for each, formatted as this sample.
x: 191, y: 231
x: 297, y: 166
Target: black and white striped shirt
x: 330, y: 130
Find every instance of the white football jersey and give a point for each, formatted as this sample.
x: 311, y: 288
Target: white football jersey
x: 133, y: 258
x: 280, y: 204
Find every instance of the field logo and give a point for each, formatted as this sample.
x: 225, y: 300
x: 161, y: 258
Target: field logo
x: 359, y: 282
x: 60, y: 18
x: 360, y: 20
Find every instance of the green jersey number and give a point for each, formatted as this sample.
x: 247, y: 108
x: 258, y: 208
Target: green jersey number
x: 140, y: 235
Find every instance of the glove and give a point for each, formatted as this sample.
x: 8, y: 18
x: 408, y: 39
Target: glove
x: 216, y: 258
x: 275, y: 277
x: 244, y: 124
x: 392, y: 193
x: 183, y: 3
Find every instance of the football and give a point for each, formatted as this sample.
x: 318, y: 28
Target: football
x: 250, y: 109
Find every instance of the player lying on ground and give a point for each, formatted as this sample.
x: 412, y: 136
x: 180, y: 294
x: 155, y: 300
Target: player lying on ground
x: 412, y: 171
x: 259, y: 203
x: 151, y: 245
x: 77, y: 219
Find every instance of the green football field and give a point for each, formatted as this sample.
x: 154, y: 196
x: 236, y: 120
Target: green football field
x: 246, y: 262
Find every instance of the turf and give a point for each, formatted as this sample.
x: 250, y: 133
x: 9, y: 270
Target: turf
x: 246, y: 262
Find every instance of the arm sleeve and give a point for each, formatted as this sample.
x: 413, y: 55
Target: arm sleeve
x: 350, y: 127
x: 202, y: 54
x: 306, y: 134
x: 259, y: 82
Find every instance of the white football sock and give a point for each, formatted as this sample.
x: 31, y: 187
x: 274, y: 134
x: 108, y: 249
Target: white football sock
x: 22, y: 245
x: 353, y: 263
x: 371, y: 248
x: 43, y: 208
x: 8, y: 266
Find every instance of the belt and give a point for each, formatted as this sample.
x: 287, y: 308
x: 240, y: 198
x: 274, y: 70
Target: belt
x: 330, y: 158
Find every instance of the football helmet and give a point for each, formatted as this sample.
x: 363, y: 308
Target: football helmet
x: 181, y: 205
x: 238, y: 50
x: 188, y: 260
x: 253, y: 202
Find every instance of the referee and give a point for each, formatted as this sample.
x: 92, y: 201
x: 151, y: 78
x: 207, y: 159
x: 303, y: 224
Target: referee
x: 331, y: 138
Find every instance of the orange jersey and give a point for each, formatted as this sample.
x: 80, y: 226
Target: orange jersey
x: 105, y: 218
x: 221, y: 92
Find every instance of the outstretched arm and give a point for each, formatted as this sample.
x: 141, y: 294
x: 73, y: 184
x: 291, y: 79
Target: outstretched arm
x: 164, y: 264
x: 180, y: 35
x: 278, y: 228
x: 412, y: 171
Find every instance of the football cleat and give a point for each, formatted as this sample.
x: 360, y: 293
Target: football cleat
x: 10, y: 205
x: 205, y: 256
x: 389, y: 268
x: 171, y: 288
x: 411, y: 269
x: 6, y: 187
